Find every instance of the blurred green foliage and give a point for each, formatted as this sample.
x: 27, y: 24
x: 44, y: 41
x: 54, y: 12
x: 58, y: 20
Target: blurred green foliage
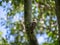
x: 44, y: 12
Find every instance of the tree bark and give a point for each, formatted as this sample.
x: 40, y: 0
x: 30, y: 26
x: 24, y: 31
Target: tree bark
x: 27, y: 20
x: 57, y: 3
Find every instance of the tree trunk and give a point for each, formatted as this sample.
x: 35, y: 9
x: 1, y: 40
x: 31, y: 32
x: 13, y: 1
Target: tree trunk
x: 57, y: 2
x: 27, y: 18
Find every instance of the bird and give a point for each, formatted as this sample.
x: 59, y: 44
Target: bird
x: 33, y: 25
